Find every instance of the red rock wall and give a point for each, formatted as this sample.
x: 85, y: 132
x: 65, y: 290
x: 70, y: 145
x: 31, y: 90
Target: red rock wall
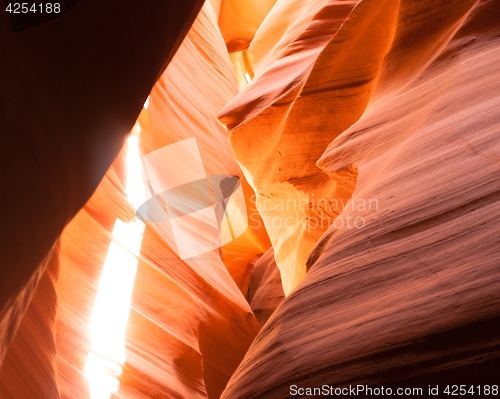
x: 412, y: 297
x: 189, y: 324
x: 389, y: 101
x: 265, y: 291
x: 72, y: 89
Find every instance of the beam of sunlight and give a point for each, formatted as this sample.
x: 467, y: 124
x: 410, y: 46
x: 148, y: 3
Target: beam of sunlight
x: 112, y: 305
x: 248, y: 78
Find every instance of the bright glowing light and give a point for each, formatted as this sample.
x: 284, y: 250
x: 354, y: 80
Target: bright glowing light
x: 146, y: 104
x: 112, y: 305
x: 248, y: 78
x: 136, y: 130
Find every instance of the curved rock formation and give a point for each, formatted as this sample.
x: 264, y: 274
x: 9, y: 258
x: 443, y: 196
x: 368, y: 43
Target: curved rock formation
x: 183, y: 105
x: 412, y: 295
x: 265, y: 291
x: 359, y: 137
x: 197, y: 323
x: 72, y: 90
x: 33, y: 350
x: 277, y: 139
x: 240, y: 19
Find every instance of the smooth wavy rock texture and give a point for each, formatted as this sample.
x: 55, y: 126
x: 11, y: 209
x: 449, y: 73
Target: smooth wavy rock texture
x: 71, y: 89
x: 240, y: 19
x: 265, y: 290
x: 277, y: 137
x: 189, y: 324
x: 413, y: 296
x: 183, y: 105
x: 339, y: 166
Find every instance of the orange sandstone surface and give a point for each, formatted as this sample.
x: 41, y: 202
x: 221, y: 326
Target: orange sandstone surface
x: 339, y: 165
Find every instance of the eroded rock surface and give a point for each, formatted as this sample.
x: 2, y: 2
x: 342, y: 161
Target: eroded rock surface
x: 365, y: 136
x: 265, y: 291
x: 413, y: 296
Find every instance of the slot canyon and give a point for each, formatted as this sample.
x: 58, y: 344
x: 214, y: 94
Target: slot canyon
x: 250, y: 199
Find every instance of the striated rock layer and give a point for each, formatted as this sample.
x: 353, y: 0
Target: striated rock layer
x: 183, y: 105
x: 281, y: 123
x: 265, y: 290
x: 189, y: 324
x: 71, y: 91
x: 412, y: 295
x: 363, y: 135
x: 197, y: 321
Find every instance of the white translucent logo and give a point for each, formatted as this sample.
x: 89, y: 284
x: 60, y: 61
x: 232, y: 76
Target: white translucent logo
x: 197, y: 213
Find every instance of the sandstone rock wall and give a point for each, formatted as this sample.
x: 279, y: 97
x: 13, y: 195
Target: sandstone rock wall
x: 365, y: 136
x: 412, y: 297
